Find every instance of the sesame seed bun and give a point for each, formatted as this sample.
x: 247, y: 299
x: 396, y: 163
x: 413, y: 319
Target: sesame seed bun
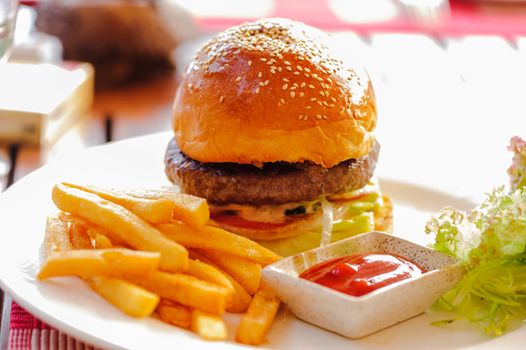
x: 271, y: 91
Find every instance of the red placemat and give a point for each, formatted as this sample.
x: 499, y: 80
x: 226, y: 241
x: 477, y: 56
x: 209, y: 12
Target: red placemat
x: 26, y: 332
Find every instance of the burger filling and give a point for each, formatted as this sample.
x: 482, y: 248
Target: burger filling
x: 345, y: 204
x: 290, y: 207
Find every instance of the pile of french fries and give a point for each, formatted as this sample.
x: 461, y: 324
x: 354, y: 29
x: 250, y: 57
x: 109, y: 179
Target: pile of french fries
x: 152, y: 252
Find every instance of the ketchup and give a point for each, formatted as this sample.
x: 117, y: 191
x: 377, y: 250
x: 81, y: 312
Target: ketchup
x: 360, y: 274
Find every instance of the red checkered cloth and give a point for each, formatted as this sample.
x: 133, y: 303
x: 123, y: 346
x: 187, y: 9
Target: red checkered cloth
x: 29, y: 333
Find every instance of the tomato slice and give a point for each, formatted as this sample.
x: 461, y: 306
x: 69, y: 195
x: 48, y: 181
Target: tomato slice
x: 236, y: 220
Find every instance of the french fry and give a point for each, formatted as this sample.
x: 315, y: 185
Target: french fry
x: 209, y: 237
x: 258, y: 319
x: 100, y: 236
x: 78, y: 235
x: 130, y: 299
x: 187, y: 208
x: 246, y: 272
x: 176, y: 314
x: 122, y: 224
x: 207, y: 272
x: 100, y: 241
x: 127, y: 297
x: 208, y: 326
x: 240, y: 299
x: 158, y: 210
x: 115, y: 262
x: 186, y: 290
x: 92, y: 230
x: 56, y: 236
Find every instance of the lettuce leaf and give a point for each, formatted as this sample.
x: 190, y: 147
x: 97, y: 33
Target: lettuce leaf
x: 490, y: 242
x: 517, y: 170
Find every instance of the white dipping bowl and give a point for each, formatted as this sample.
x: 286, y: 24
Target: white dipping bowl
x: 356, y: 317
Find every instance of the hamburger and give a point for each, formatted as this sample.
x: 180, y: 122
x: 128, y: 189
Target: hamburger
x: 276, y: 133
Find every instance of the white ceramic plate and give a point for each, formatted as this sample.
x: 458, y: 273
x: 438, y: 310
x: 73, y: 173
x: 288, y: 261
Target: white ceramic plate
x: 70, y: 306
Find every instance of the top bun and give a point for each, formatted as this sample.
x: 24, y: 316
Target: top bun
x: 269, y: 91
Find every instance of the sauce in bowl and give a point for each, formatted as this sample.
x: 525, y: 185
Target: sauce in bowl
x: 361, y: 274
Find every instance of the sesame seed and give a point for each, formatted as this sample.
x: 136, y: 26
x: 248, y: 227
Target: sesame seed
x: 325, y: 103
x: 287, y: 63
x: 260, y: 75
x: 261, y: 83
x: 307, y: 75
x: 282, y: 100
x: 306, y: 69
x: 311, y: 86
x: 299, y: 68
x: 263, y: 59
x: 306, y: 117
x: 322, y: 93
x: 300, y: 117
x: 288, y: 68
x: 324, y: 117
x: 296, y: 73
x: 280, y: 69
x: 302, y: 94
x: 318, y: 116
x: 285, y: 80
x: 292, y: 94
x: 319, y: 103
x: 270, y: 63
x: 303, y: 84
x: 266, y: 82
x: 313, y: 99
x: 333, y: 99
x: 293, y: 87
x: 257, y: 91
x: 249, y: 63
x: 285, y: 86
x: 238, y: 79
x: 314, y: 75
x: 272, y: 71
x: 221, y: 99
x: 308, y: 107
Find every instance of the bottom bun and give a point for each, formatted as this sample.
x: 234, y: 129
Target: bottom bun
x: 383, y: 217
x: 308, y: 223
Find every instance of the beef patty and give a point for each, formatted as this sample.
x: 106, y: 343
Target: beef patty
x: 273, y: 183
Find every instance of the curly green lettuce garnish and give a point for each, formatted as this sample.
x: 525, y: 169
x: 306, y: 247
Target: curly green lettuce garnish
x: 517, y: 170
x: 491, y: 243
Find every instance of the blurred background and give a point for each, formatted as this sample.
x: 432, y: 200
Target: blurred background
x: 449, y: 76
